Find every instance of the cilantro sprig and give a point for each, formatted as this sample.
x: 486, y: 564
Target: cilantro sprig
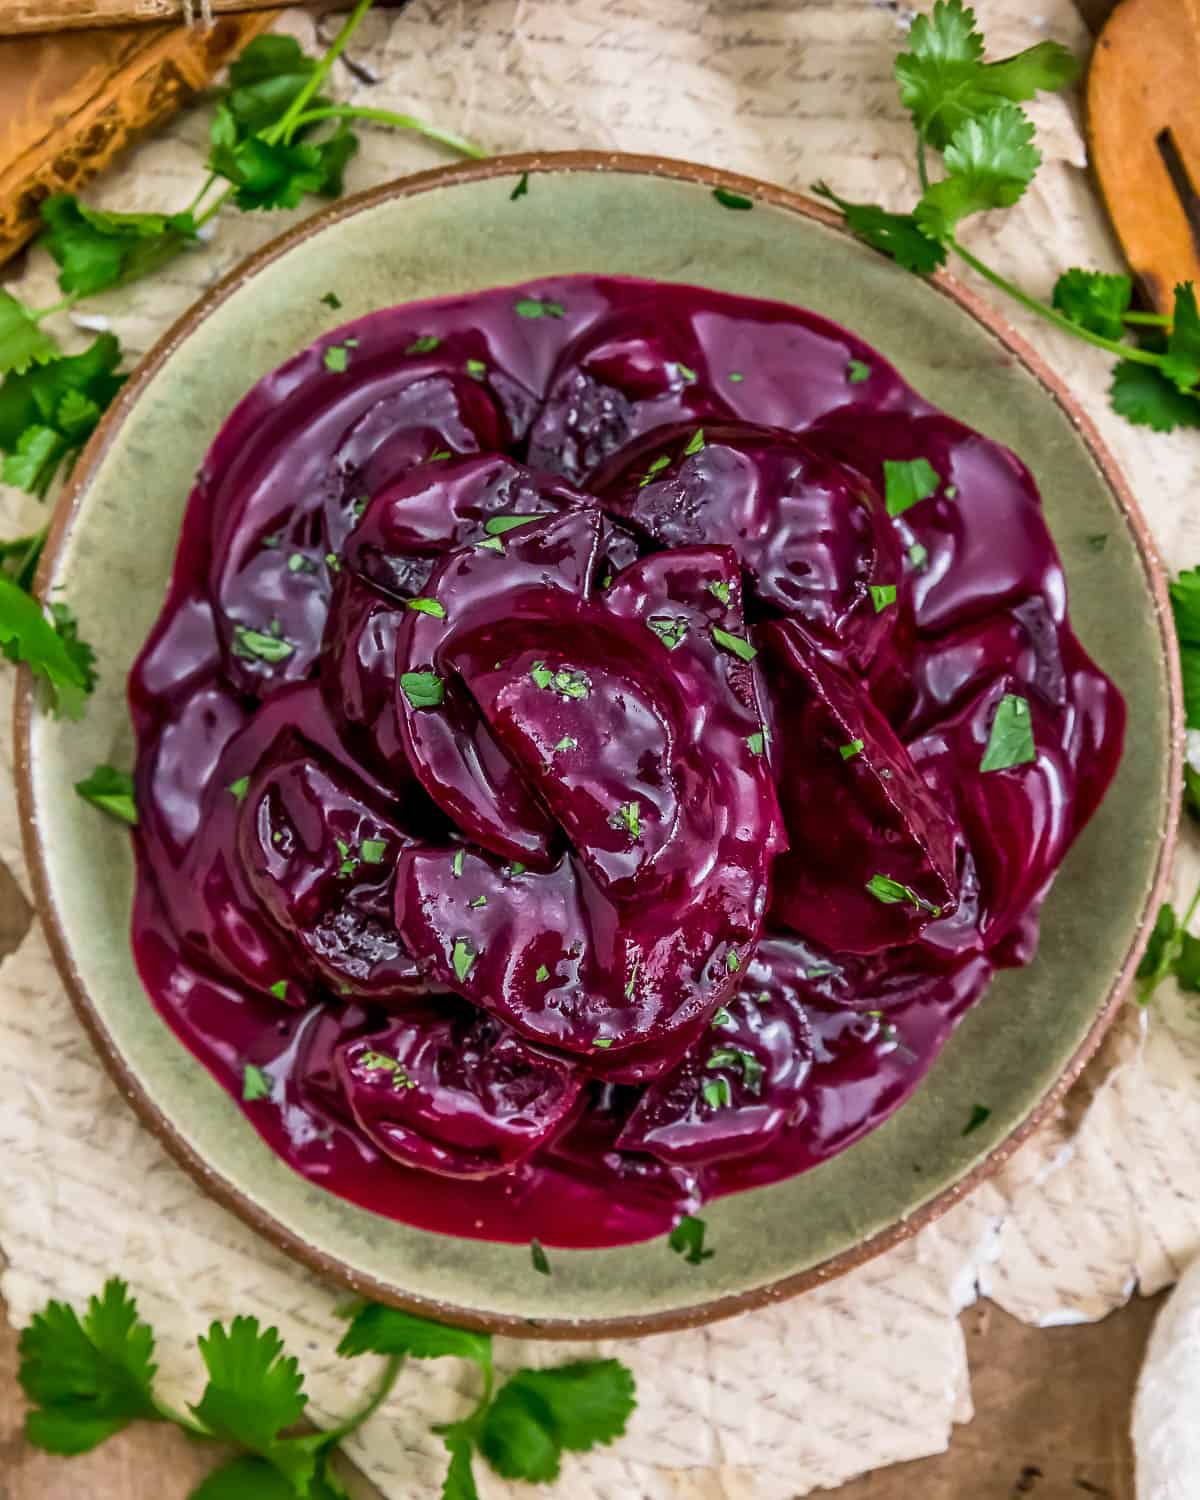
x: 89, y: 1377
x: 969, y: 110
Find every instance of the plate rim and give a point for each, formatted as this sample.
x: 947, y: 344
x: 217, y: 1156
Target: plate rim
x: 129, y: 1084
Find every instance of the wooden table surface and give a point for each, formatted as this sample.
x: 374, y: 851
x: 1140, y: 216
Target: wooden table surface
x: 1051, y: 1406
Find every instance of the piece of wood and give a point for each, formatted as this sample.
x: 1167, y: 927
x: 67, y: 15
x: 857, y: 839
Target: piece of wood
x: 1144, y: 138
x: 70, y: 103
x: 20, y: 17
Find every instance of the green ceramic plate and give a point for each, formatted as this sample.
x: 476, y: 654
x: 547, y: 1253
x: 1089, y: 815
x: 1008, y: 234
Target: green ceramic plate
x: 455, y: 231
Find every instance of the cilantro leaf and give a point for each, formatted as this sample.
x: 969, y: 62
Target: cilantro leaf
x: 60, y: 402
x: 517, y: 1436
x: 1162, y: 950
x: 263, y: 81
x: 581, y: 1404
x: 980, y: 1115
x: 1185, y: 605
x: 687, y: 1239
x: 26, y: 635
x: 538, y: 1256
x: 269, y: 174
x: 732, y: 200
x: 22, y: 342
x: 111, y: 791
x: 944, y: 81
x: 1095, y: 300
x: 1147, y: 398
x: 894, y: 893
x: 906, y: 481
x: 897, y: 235
x: 990, y: 162
x: 87, y: 1378
x: 1182, y: 361
x: 254, y: 1391
x: 375, y: 1329
x: 245, y: 1479
x: 1187, y: 963
x: 33, y: 463
x: 96, y: 249
x: 423, y: 689
x: 255, y: 1084
x: 1010, y: 741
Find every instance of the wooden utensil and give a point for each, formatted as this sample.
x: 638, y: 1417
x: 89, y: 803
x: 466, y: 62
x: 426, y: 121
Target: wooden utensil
x: 1143, y: 104
x: 18, y: 17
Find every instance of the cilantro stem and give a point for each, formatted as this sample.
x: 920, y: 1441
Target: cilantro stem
x: 1043, y: 310
x: 1191, y: 911
x: 377, y: 1398
x: 215, y: 207
x: 283, y: 128
x: 388, y: 117
x: 38, y: 313
x: 922, y: 167
x: 195, y: 203
x: 1155, y: 320
x: 190, y: 1425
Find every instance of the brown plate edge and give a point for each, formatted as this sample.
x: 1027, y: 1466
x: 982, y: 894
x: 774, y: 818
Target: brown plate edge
x: 126, y: 1080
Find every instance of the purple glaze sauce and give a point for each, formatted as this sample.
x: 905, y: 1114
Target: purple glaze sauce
x: 536, y: 703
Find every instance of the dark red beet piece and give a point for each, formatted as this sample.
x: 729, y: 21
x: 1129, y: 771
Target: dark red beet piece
x: 448, y: 1090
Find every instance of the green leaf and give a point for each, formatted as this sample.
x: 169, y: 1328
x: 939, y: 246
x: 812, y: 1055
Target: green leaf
x: 112, y: 791
x: 671, y: 630
x: 257, y: 645
x: 857, y: 372
x: 269, y: 175
x: 1181, y: 364
x: 245, y: 1479
x: 882, y: 594
x: 732, y: 200
x: 1162, y: 949
x: 462, y: 958
x: 264, y: 80
x: 428, y: 607
x: 897, y: 235
x: 423, y: 689
x: 980, y: 1115
x: 1187, y: 964
x: 37, y: 399
x: 851, y: 749
x: 255, y: 1084
x: 735, y: 644
x: 1010, y: 742
x: 695, y: 443
x: 517, y: 1436
x: 687, y: 1239
x: 387, y: 1330
x: 254, y: 1391
x: 533, y: 307
x: 583, y: 1404
x: 894, y: 893
x: 498, y: 525
x: 1147, y: 398
x: 89, y: 1378
x: 335, y: 154
x: 26, y: 635
x: 34, y: 462
x: 77, y: 415
x: 990, y: 162
x: 537, y: 1255
x: 906, y: 481
x: 67, y: 628
x: 521, y: 188
x: 1095, y: 300
x: 459, y: 1483
x: 22, y: 342
x: 944, y: 81
x: 96, y: 249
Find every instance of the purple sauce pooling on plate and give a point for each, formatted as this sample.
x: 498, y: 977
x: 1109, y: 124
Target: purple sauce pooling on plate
x: 560, y: 752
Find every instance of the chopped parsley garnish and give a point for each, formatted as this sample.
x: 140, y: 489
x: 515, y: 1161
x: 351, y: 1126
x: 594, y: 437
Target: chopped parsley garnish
x: 686, y: 372
x: 456, y: 864
x: 570, y: 682
x: 298, y: 563
x: 542, y: 974
x: 423, y: 689
x: 111, y: 791
x: 631, y: 984
x: 380, y: 1062
x: 498, y: 525
x: 534, y: 307
x: 349, y: 862
x: 628, y: 816
x: 239, y: 788
x: 255, y: 1084
x: 752, y: 1070
x: 857, y: 372
x: 331, y: 299
x: 477, y: 368
x: 848, y: 752
x: 719, y: 589
x: 732, y: 962
x: 723, y: 1020
x: 426, y: 344
x: 670, y: 630
x: 696, y: 443
x: 438, y: 455
x: 538, y: 1256
x: 756, y: 742
x: 568, y: 742
x: 716, y: 1093
x: 907, y: 481
x: 893, y: 893
x: 735, y: 644
x: 1098, y: 541
x: 882, y: 594
x: 279, y: 989
x: 687, y: 1239
x: 462, y: 957
x: 256, y: 644
x: 602, y: 1041
x: 918, y: 555
x: 656, y: 466
x: 359, y: 506
x: 1010, y: 742
x: 478, y: 902
x: 493, y: 544
x: 731, y: 200
x: 951, y: 492
x: 980, y: 1115
x: 515, y: 869
x: 372, y: 851
x: 425, y: 606
x: 337, y: 358
x: 521, y: 188
x: 333, y: 562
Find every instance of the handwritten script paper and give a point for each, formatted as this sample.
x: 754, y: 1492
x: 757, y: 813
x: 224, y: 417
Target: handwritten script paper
x: 869, y: 1370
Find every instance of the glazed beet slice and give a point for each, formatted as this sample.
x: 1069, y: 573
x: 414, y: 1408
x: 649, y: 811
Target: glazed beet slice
x: 270, y: 579
x: 873, y: 852
x: 448, y: 1089
x: 628, y: 372
x: 812, y: 533
x: 1018, y: 821
x: 735, y: 1089
x: 358, y: 671
x: 321, y: 862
